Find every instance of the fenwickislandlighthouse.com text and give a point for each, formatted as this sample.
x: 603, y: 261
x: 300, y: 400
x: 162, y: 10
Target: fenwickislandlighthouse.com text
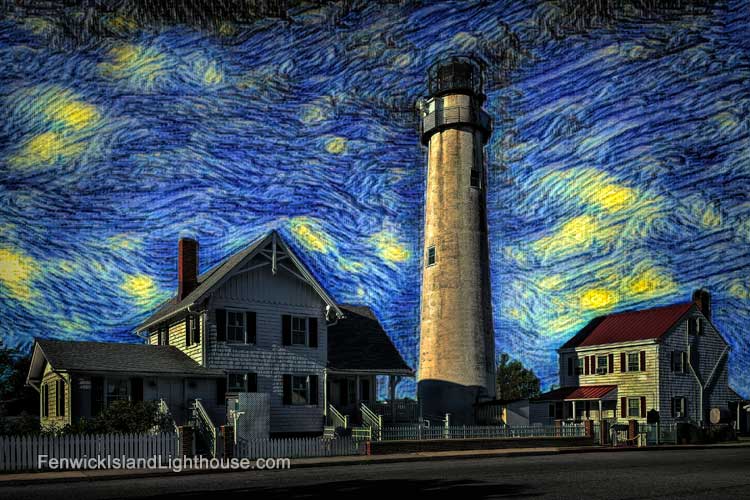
x: 158, y: 462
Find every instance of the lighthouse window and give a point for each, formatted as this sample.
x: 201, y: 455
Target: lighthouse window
x: 476, y: 180
x: 431, y: 256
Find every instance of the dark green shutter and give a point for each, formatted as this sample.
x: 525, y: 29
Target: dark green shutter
x: 187, y: 330
x: 221, y: 391
x: 286, y: 329
x: 643, y: 361
x: 252, y: 382
x: 287, y: 389
x: 624, y: 407
x: 623, y: 362
x: 314, y: 390
x: 570, y: 367
x: 197, y: 338
x: 643, y: 406
x: 312, y: 324
x: 221, y: 325
x: 250, y: 324
x: 611, y: 367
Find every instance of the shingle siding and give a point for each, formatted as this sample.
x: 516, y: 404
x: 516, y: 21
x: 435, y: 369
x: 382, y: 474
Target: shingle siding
x: 270, y: 297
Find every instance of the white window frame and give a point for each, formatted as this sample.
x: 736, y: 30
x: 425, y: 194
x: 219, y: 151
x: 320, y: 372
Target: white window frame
x: 630, y: 408
x: 681, y: 358
x: 432, y: 249
x: 682, y: 411
x: 637, y: 361
x: 602, y: 369
x: 230, y: 326
x: 304, y: 330
x: 195, y: 324
x: 578, y: 368
x: 297, y: 389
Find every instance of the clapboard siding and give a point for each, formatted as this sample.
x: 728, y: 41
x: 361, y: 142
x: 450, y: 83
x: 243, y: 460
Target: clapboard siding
x: 50, y: 378
x: 271, y: 296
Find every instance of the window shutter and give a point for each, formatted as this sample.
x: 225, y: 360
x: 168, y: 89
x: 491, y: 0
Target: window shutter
x: 287, y: 389
x: 197, y: 338
x: 643, y: 406
x: 252, y: 382
x: 314, y: 390
x: 60, y: 398
x: 624, y: 407
x: 312, y: 326
x: 593, y: 364
x: 221, y: 391
x: 586, y: 365
x: 671, y: 361
x: 136, y: 388
x: 45, y: 400
x: 623, y: 362
x: 286, y: 331
x: 643, y: 361
x: 611, y: 367
x: 250, y: 324
x: 674, y: 407
x: 187, y: 330
x: 570, y: 367
x: 221, y: 325
x: 683, y: 354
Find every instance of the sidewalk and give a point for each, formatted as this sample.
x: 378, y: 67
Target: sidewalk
x: 29, y: 478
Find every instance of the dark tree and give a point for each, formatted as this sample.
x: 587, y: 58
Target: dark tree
x: 514, y: 381
x: 15, y: 397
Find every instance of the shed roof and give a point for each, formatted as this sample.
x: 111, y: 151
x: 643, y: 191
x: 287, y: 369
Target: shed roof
x: 577, y: 393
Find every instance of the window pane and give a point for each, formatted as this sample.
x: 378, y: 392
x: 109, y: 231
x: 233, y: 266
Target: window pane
x: 299, y: 390
x: 579, y: 366
x: 634, y: 407
x: 117, y: 390
x: 299, y: 331
x: 431, y: 256
x: 236, y: 382
x: 634, y: 362
x: 601, y: 363
x: 235, y: 326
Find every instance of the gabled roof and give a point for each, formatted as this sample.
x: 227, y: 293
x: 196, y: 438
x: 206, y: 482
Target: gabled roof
x: 357, y: 342
x: 629, y: 326
x: 111, y: 357
x: 577, y: 393
x: 216, y: 276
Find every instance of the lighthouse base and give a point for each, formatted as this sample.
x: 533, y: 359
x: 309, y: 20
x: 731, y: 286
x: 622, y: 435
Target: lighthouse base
x: 438, y: 397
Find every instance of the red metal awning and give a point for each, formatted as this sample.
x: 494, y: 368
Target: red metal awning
x: 577, y: 393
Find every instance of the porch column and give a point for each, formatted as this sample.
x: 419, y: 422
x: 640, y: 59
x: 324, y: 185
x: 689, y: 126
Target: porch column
x: 357, y: 393
x: 325, y: 393
x: 600, y: 411
x: 573, y: 417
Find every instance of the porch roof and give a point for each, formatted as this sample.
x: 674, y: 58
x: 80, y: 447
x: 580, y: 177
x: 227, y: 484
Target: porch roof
x: 111, y: 357
x: 357, y: 343
x: 577, y: 393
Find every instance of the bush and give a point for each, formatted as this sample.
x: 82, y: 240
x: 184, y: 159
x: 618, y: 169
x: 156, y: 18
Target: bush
x: 120, y: 417
x: 21, y: 425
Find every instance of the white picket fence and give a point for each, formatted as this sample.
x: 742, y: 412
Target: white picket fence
x: 22, y: 452
x: 303, y: 447
x: 416, y: 431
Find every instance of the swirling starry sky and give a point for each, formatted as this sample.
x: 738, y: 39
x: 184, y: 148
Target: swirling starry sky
x: 618, y: 170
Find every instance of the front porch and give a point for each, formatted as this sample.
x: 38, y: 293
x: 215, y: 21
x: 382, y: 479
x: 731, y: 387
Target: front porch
x: 354, y: 394
x: 575, y: 404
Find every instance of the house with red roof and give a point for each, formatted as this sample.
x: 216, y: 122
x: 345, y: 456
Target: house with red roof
x: 620, y: 366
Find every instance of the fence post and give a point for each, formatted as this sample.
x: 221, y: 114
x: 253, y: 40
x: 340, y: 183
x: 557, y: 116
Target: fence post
x: 447, y: 423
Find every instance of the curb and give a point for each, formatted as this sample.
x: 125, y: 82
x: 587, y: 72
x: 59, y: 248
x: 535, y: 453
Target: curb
x: 77, y: 476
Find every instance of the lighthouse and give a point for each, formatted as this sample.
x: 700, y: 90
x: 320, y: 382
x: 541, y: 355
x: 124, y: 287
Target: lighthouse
x: 457, y: 346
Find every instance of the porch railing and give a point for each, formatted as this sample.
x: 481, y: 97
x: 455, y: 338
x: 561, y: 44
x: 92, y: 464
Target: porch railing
x: 164, y: 412
x: 372, y: 420
x: 336, y: 419
x: 400, y: 410
x: 205, y: 425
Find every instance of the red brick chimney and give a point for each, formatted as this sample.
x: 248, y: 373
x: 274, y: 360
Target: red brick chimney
x: 187, y: 266
x: 703, y: 300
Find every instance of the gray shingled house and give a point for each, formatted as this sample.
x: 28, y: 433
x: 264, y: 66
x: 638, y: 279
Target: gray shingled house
x: 257, y: 322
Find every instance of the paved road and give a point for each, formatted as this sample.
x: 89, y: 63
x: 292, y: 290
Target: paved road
x: 641, y: 474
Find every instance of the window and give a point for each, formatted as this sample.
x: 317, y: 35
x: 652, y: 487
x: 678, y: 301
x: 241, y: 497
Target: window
x: 476, y: 178
x: 634, y: 407
x: 634, y: 362
x: 431, y: 256
x: 237, y: 382
x: 300, y: 390
x: 299, y: 330
x: 60, y: 398
x: 163, y: 335
x: 601, y: 364
x: 679, y: 360
x: 679, y: 407
x: 117, y: 390
x: 194, y: 333
x: 45, y: 400
x: 235, y: 326
x: 695, y: 326
x: 579, y: 366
